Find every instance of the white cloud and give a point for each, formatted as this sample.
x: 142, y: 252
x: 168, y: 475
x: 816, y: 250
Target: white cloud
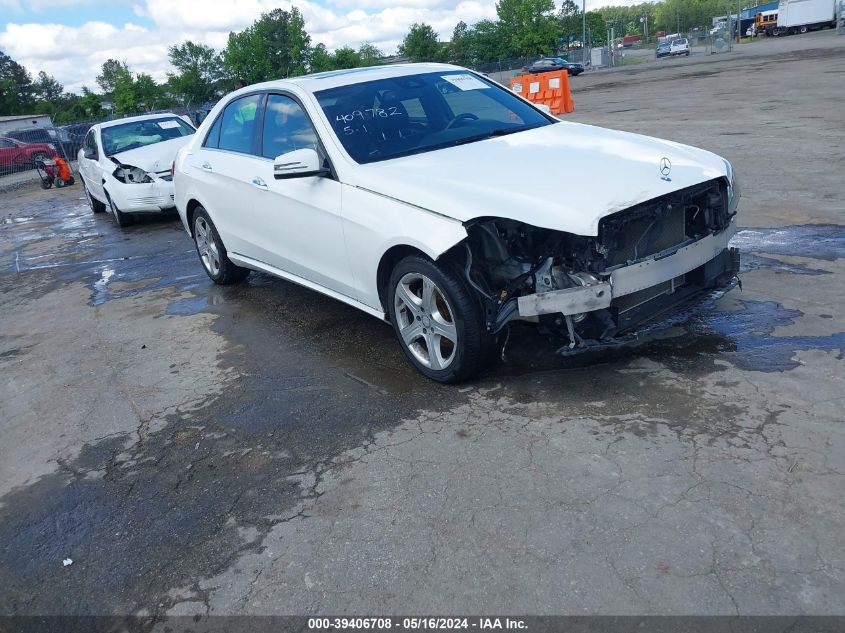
x: 74, y: 54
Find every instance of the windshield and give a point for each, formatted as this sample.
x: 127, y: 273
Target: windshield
x: 399, y: 116
x: 121, y: 138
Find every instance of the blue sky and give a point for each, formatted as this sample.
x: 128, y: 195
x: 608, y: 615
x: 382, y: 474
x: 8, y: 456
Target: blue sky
x: 70, y: 39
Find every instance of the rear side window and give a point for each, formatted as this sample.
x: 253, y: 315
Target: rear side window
x: 286, y: 127
x: 238, y: 123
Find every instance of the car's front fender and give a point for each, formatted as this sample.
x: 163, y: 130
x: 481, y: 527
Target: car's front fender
x: 374, y: 224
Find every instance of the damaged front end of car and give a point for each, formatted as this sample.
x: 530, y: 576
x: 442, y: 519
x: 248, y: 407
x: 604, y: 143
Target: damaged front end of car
x: 645, y: 261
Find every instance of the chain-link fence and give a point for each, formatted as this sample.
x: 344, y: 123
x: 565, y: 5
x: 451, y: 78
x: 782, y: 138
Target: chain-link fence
x: 23, y: 151
x: 719, y: 41
x: 840, y: 18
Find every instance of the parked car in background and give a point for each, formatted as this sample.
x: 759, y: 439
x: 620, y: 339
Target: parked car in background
x: 380, y: 189
x: 72, y: 137
x: 126, y: 164
x: 679, y: 47
x: 15, y: 154
x: 42, y: 135
x: 664, y: 49
x: 550, y: 64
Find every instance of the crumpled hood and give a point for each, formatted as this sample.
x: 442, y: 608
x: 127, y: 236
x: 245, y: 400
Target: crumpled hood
x: 564, y: 177
x: 153, y: 158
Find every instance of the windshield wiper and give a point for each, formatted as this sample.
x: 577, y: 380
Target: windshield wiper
x: 497, y: 132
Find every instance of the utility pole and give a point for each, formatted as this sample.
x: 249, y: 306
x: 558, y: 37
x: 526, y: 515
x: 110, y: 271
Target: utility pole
x: 738, y: 21
x: 584, y: 31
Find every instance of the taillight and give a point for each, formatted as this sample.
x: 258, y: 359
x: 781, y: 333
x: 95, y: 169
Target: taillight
x: 173, y: 169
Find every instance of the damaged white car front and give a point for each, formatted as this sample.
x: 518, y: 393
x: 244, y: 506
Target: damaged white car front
x: 126, y: 164
x: 645, y: 261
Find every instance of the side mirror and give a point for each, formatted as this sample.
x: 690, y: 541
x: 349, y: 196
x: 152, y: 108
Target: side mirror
x: 89, y: 153
x: 298, y: 164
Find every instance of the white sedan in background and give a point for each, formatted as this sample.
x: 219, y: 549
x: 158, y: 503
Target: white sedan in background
x: 125, y: 164
x: 433, y: 198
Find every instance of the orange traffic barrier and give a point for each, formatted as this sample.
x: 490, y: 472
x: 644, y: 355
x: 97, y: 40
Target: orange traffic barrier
x: 551, y: 89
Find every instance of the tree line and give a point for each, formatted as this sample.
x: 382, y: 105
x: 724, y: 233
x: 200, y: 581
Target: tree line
x: 277, y: 45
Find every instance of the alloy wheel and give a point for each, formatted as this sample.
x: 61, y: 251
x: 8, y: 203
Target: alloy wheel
x: 425, y: 321
x: 206, y: 246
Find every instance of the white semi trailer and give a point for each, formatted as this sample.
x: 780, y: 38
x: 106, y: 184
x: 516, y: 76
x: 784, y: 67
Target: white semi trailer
x: 800, y: 16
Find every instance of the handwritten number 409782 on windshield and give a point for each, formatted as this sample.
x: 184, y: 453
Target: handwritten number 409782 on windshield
x: 371, y: 112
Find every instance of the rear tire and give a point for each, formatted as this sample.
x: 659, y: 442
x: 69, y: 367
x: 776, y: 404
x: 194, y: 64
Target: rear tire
x: 123, y: 219
x: 215, y: 260
x: 96, y: 205
x: 438, y: 321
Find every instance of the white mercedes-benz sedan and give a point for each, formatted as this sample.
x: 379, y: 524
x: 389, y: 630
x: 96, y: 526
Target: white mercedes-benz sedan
x: 435, y: 199
x: 126, y: 164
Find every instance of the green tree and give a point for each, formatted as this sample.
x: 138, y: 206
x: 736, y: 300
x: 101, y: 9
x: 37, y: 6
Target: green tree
x: 369, y: 55
x: 346, y: 57
x: 199, y: 72
x: 485, y: 42
x: 79, y: 107
x: 275, y: 46
x: 16, y: 89
x: 596, y: 28
x: 46, y: 88
x: 320, y: 60
x: 460, y: 45
x: 528, y: 27
x: 125, y: 96
x: 570, y: 20
x: 109, y: 73
x: 148, y: 93
x: 421, y: 45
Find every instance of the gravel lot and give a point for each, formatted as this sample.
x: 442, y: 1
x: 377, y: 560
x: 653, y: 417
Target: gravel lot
x: 261, y: 449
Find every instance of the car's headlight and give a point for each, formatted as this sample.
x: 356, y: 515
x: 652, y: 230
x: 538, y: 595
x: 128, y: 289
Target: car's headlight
x: 132, y: 175
x: 734, y: 192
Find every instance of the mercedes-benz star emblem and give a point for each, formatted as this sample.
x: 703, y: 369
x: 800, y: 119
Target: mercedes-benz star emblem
x: 665, y: 167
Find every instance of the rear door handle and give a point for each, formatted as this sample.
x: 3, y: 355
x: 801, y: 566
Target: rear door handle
x: 206, y: 166
x: 259, y: 182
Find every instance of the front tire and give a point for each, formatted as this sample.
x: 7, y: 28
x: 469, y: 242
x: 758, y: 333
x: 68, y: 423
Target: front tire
x: 123, y: 219
x: 438, y: 321
x: 96, y: 205
x: 213, y: 255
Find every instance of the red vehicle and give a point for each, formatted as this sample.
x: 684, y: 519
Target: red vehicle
x: 16, y: 155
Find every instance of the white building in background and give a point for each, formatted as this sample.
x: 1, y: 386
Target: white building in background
x: 24, y: 121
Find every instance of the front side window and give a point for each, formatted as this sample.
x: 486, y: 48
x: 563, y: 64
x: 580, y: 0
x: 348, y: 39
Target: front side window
x: 388, y: 118
x: 238, y: 123
x: 286, y: 127
x: 91, y: 143
x: 127, y: 136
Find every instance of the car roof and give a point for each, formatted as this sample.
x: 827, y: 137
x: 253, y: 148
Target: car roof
x: 335, y: 78
x: 132, y: 119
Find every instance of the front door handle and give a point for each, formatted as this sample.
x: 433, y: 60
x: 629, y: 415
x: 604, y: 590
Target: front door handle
x: 259, y: 182
x: 206, y: 166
